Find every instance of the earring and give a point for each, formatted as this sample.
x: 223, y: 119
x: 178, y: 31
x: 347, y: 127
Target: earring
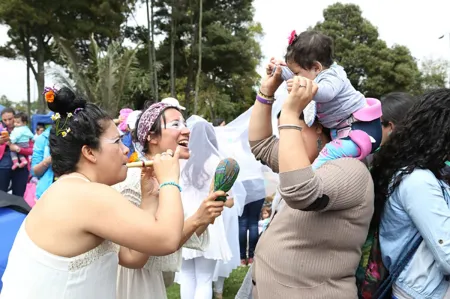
x: 389, y: 133
x: 319, y: 144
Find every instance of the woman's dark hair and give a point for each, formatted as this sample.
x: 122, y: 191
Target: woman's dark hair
x: 218, y: 121
x: 309, y: 47
x: 87, y: 124
x: 394, y: 106
x: 156, y: 127
x: 420, y: 141
x: 8, y: 110
x: 194, y: 172
x: 22, y: 116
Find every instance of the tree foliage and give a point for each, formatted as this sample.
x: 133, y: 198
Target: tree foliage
x: 18, y: 106
x: 34, y: 24
x: 434, y: 73
x: 106, y: 77
x: 372, y: 67
x: 230, y: 53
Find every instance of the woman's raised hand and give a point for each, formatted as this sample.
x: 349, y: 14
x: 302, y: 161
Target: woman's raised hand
x: 301, y: 94
x: 210, y: 209
x: 272, y: 80
x: 166, y: 166
x: 149, y: 183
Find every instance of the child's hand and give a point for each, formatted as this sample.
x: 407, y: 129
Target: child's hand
x: 273, y: 80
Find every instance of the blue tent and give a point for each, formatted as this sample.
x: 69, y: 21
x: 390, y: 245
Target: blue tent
x: 13, y: 210
x: 45, y: 119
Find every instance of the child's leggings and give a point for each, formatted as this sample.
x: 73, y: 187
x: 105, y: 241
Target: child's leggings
x: 345, y: 147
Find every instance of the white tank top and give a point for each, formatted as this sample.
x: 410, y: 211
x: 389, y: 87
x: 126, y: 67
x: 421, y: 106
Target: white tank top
x: 33, y: 273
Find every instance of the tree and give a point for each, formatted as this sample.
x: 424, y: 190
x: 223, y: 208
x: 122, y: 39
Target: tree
x: 372, y: 67
x: 4, y: 101
x: 33, y: 24
x: 199, y: 62
x: 230, y: 54
x: 105, y: 78
x: 19, y: 106
x: 434, y: 74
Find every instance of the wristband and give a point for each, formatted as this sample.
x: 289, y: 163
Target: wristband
x: 263, y: 100
x: 171, y: 183
x: 264, y: 95
x: 295, y: 127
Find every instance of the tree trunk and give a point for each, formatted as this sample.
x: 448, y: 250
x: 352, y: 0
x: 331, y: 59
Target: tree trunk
x: 172, y: 49
x: 191, y: 62
x: 210, y: 108
x: 25, y: 39
x: 40, y: 76
x: 155, y: 73
x: 199, y: 69
x: 150, y: 52
x: 28, y: 92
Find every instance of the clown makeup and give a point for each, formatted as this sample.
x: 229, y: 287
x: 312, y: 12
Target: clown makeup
x: 176, y: 124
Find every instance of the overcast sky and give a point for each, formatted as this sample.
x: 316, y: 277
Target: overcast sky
x: 416, y: 26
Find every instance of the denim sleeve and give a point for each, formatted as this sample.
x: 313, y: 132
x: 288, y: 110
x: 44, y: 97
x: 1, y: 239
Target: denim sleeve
x: 422, y: 198
x: 329, y: 87
x: 38, y: 152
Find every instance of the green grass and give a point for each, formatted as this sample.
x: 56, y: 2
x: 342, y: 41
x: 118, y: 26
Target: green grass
x: 231, y: 287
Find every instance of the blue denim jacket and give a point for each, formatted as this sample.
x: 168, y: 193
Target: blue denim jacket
x: 418, y: 205
x: 41, y: 150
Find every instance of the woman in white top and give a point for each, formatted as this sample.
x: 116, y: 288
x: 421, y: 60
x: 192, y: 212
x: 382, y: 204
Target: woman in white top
x: 162, y: 127
x: 197, y: 270
x: 64, y: 249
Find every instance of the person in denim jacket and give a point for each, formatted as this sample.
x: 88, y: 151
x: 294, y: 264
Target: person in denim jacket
x: 41, y: 163
x: 411, y: 198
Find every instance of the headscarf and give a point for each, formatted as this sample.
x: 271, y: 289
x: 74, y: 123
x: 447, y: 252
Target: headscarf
x: 148, y: 119
x: 132, y: 118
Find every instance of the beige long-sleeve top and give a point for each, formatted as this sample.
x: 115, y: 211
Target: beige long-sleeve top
x: 312, y: 247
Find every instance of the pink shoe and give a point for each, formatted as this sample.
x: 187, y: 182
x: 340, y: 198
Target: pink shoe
x: 15, y: 165
x: 23, y: 162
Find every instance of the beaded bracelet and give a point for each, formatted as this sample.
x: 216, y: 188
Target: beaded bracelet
x: 170, y: 184
x: 264, y: 95
x: 264, y: 101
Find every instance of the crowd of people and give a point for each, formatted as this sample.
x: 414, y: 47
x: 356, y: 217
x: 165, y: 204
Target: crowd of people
x: 361, y: 210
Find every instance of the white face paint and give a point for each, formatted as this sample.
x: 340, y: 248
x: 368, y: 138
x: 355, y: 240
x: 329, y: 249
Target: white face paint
x: 176, y: 125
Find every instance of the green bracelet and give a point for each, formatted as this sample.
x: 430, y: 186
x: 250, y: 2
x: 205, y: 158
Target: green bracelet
x: 171, y: 183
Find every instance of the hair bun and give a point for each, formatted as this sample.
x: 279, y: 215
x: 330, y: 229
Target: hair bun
x: 66, y: 101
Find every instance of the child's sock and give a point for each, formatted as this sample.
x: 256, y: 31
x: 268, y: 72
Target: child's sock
x: 15, y: 163
x: 23, y: 162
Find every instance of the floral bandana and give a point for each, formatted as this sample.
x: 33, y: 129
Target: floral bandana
x: 148, y: 118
